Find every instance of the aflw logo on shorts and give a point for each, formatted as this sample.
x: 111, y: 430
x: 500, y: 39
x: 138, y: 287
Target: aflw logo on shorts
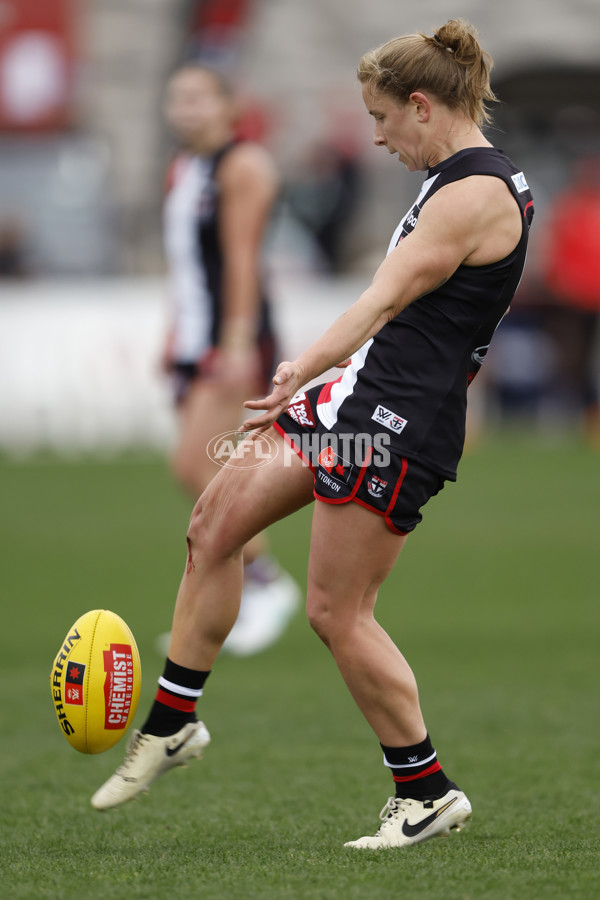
x: 388, y: 418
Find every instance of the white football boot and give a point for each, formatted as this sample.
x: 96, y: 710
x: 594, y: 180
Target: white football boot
x: 411, y: 821
x: 147, y: 757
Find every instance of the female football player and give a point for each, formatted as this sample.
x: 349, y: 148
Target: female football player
x: 389, y: 431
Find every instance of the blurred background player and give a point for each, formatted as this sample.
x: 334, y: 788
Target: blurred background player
x: 220, y: 346
x: 570, y: 272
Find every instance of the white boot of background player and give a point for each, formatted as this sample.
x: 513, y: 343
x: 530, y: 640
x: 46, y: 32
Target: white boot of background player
x: 270, y: 597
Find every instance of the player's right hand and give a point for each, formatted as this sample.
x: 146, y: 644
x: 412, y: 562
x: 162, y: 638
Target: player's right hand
x: 288, y: 378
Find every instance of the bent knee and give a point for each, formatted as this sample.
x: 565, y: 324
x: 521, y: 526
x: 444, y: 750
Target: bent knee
x: 324, y: 618
x: 209, y: 532
x: 318, y: 621
x: 338, y: 619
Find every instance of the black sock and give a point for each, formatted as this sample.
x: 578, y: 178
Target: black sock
x: 417, y: 772
x: 175, y: 703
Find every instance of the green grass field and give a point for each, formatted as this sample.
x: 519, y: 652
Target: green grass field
x: 495, y: 601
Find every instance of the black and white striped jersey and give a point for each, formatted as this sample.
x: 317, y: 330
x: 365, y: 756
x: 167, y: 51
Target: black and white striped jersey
x: 195, y: 256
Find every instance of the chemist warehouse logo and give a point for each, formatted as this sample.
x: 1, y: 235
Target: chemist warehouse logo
x: 118, y: 685
x: 237, y: 448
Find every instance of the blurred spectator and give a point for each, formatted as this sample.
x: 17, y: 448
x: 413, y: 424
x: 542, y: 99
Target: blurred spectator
x: 570, y: 272
x: 519, y: 373
x: 323, y: 197
x: 12, y: 248
x: 216, y: 29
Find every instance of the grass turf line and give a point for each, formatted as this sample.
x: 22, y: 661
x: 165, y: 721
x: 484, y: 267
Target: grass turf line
x: 494, y: 601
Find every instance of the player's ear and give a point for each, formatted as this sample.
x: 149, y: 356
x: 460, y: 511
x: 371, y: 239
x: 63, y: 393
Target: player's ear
x: 421, y: 105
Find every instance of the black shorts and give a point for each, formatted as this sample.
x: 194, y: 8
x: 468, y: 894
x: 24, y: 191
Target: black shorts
x: 357, y: 467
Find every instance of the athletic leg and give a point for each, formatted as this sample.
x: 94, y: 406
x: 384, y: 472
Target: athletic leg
x: 270, y: 596
x: 237, y: 504
x: 344, y: 576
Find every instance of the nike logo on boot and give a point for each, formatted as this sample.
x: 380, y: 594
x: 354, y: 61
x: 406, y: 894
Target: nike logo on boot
x: 413, y: 830
x: 171, y: 751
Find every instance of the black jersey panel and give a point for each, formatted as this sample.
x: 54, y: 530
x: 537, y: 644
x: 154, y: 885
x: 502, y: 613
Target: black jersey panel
x: 419, y: 365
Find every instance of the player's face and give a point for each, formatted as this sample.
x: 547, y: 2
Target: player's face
x: 395, y: 128
x: 196, y: 108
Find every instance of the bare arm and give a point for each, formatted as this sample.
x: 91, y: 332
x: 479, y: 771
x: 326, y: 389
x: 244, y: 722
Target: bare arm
x: 249, y: 186
x: 445, y: 238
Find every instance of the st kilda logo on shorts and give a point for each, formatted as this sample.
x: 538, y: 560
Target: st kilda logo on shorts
x: 376, y: 486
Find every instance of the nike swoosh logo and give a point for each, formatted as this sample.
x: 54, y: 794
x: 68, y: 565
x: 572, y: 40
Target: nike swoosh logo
x: 414, y: 830
x: 171, y: 751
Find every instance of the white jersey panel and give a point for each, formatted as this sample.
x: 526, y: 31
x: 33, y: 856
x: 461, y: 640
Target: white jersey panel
x: 342, y: 389
x: 189, y: 297
x: 422, y: 193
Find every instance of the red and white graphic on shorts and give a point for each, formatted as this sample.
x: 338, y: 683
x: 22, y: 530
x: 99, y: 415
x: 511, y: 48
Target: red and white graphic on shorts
x: 301, y: 412
x: 335, y: 465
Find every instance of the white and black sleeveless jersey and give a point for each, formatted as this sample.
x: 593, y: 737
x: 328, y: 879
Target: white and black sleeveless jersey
x: 410, y: 380
x: 195, y: 256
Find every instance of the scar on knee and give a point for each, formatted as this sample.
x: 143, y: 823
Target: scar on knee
x: 190, y: 567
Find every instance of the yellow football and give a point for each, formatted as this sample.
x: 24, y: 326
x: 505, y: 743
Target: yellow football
x: 95, y: 681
